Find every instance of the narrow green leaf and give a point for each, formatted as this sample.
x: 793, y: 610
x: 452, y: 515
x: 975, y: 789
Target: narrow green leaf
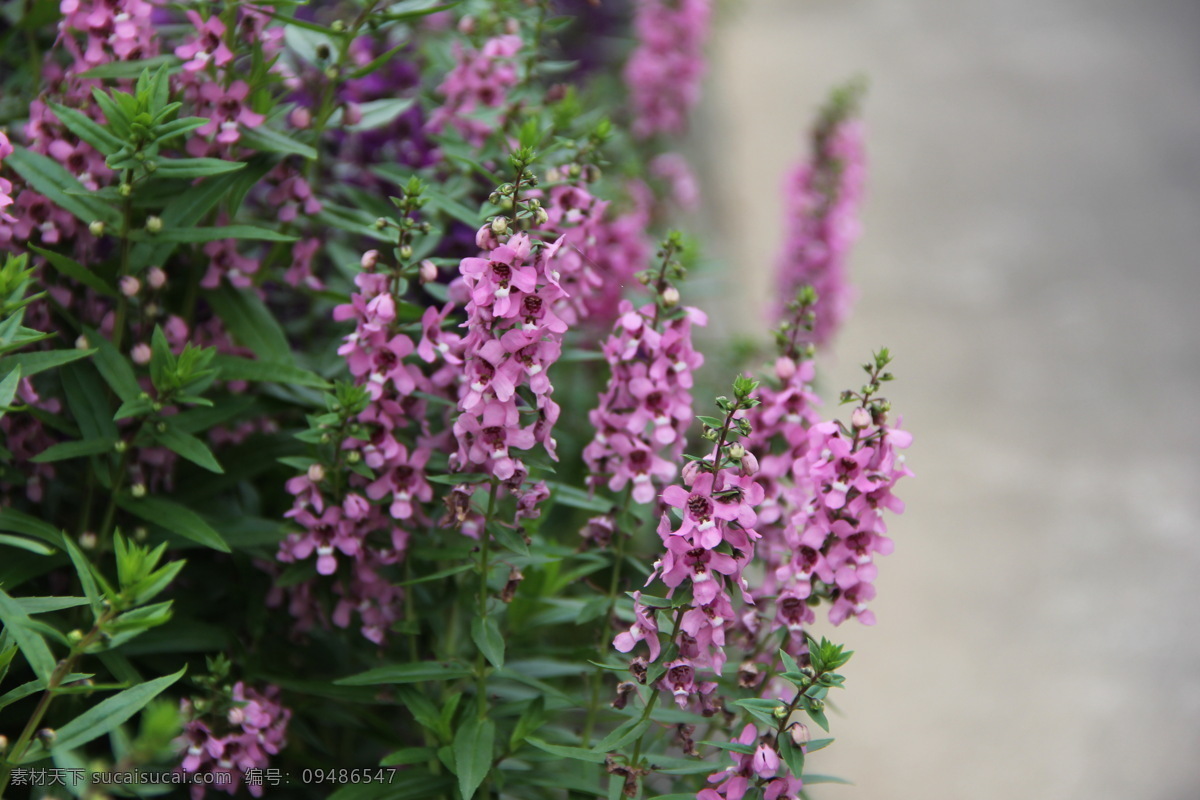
x: 175, y: 518
x: 793, y: 756
x: 41, y: 360
x: 88, y: 129
x: 111, y: 712
x: 251, y: 323
x: 269, y: 140
x: 813, y: 778
x: 409, y: 673
x: 473, y: 745
x: 189, y: 447
x: 623, y: 734
x: 563, y: 751
x: 407, y: 755
x: 75, y: 271
x: 114, y: 367
x: 195, y: 167
x: 486, y: 635
x: 180, y: 235
x: 236, y: 368
x: 30, y: 545
x: 8, y: 388
x: 83, y: 569
x: 66, y: 450
x: 44, y: 605
x: 578, y: 498
x: 46, y: 176
x: 21, y: 628
x: 377, y: 113
x: 87, y: 402
x: 20, y: 522
x: 132, y: 69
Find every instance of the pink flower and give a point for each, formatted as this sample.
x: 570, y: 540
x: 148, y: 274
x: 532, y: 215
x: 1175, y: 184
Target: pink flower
x: 207, y: 46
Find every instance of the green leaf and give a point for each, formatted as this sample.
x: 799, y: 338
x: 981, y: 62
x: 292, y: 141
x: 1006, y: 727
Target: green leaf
x: 66, y: 450
x: 41, y: 360
x: 251, y: 323
x: 195, y: 167
x: 189, y: 447
x: 623, y: 734
x: 88, y: 130
x: 83, y: 568
x: 175, y: 518
x: 44, y: 605
x: 793, y: 756
x: 75, y: 271
x: 486, y: 635
x: 532, y: 718
x: 813, y: 778
x: 377, y: 113
x: 114, y: 367
x: 111, y: 712
x: 269, y: 140
x: 20, y: 522
x: 407, y: 755
x: 180, y: 235
x: 46, y: 176
x: 236, y: 368
x: 578, y: 498
x: 409, y: 673
x: 86, y: 400
x: 132, y: 69
x: 21, y: 628
x: 8, y: 388
x: 563, y: 751
x: 473, y: 745
x: 30, y: 545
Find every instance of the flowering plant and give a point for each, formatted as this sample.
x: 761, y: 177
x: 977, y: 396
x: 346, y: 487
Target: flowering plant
x: 347, y: 402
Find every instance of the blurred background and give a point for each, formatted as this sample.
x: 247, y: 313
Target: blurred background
x: 1030, y: 255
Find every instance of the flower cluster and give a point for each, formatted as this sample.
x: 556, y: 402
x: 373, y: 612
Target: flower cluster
x: 646, y: 407
x: 480, y: 80
x: 707, y: 551
x: 253, y: 729
x: 664, y: 71
x: 822, y: 199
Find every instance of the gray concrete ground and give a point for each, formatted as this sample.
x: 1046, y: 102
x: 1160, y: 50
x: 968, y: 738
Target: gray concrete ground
x: 1031, y: 247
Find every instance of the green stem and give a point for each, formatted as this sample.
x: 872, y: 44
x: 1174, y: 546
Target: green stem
x: 480, y: 660
x: 61, y: 671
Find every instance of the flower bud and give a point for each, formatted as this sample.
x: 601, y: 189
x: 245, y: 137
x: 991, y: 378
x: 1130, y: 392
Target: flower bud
x: 406, y: 252
x: 153, y: 224
x: 81, y: 343
x: 88, y: 540
x: 96, y: 228
x: 353, y: 114
x: 369, y: 259
x: 338, y: 26
x: 429, y: 271
x: 138, y: 490
x: 3, y: 744
x: 140, y: 353
x: 316, y: 473
x: 353, y: 457
x: 300, y: 117
x: 47, y: 736
x: 540, y: 217
x: 120, y: 446
x: 670, y: 297
x: 75, y: 637
x: 124, y: 190
x: 129, y: 285
x: 861, y: 418
x: 236, y: 716
x: 799, y: 733
x: 156, y: 278
x: 500, y: 226
x: 736, y: 451
x: 750, y: 464
x: 780, y: 711
x: 512, y: 27
x: 466, y: 25
x: 141, y: 533
x: 785, y: 368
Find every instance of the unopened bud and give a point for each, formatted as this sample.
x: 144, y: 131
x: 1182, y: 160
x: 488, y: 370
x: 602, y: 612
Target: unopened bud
x: 88, y: 540
x: 156, y: 278
x: 353, y: 114
x: 353, y: 457
x: 3, y: 744
x: 96, y: 228
x: 500, y: 226
x: 316, y: 473
x: 47, y: 736
x: 799, y: 733
x: 331, y: 72
x: 141, y: 533
x: 140, y: 353
x: 75, y: 636
x: 511, y: 27
x: 750, y: 464
x: 154, y: 224
x: 780, y: 711
x: 540, y: 217
x: 370, y: 259
x: 138, y: 490
x: 300, y: 117
x: 406, y: 252
x: 466, y: 25
x: 81, y: 343
x: 785, y: 368
x: 861, y: 418
x: 236, y: 715
x: 161, y: 427
x: 338, y: 26
x: 429, y: 271
x: 129, y: 285
x: 120, y: 446
x: 736, y: 451
x: 670, y: 297
x: 125, y: 190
